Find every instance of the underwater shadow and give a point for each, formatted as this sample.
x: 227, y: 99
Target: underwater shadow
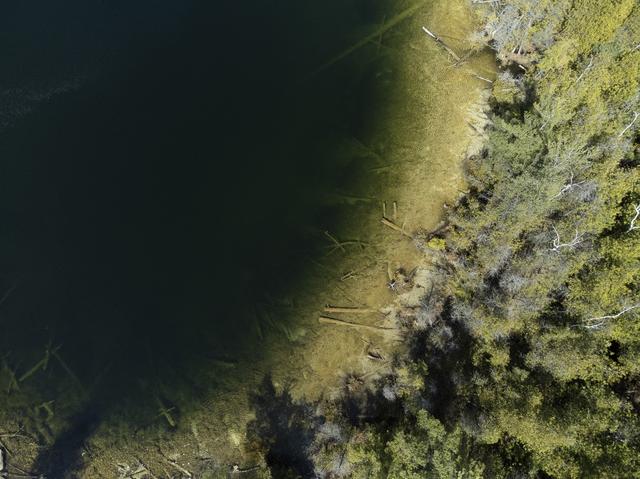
x: 285, y: 430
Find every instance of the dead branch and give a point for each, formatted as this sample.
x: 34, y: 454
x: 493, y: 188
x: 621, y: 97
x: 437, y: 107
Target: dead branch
x: 569, y: 186
x: 558, y: 244
x: 584, y: 72
x: 440, y: 42
x: 632, y: 225
x: 42, y: 364
x: 164, y: 411
x: 597, y: 322
x: 635, y: 118
x: 481, y: 78
x: 236, y: 469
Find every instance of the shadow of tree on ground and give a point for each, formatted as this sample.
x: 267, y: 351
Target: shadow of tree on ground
x: 285, y: 430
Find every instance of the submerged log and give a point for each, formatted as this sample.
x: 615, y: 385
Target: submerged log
x: 388, y: 25
x: 395, y: 227
x: 441, y: 42
x: 165, y: 412
x: 335, y: 241
x: 341, y: 322
x: 348, y: 309
x: 13, y: 380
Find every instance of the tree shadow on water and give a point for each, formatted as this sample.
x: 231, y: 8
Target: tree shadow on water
x: 285, y: 430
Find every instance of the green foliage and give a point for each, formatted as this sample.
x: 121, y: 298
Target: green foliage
x: 531, y: 369
x: 364, y: 453
x: 427, y: 450
x: 545, y: 267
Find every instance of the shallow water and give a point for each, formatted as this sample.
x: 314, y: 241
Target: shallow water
x: 169, y: 171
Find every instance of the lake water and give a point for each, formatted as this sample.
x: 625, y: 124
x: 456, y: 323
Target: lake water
x: 164, y: 166
x: 167, y: 168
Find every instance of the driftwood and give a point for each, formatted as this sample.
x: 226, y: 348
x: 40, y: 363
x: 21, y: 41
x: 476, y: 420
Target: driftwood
x: 395, y: 227
x: 348, y: 309
x: 441, y: 42
x: 341, y: 322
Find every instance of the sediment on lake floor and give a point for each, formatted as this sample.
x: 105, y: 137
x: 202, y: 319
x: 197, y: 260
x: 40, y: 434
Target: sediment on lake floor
x: 403, y: 154
x: 406, y: 152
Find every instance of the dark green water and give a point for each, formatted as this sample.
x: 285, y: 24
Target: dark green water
x: 163, y: 166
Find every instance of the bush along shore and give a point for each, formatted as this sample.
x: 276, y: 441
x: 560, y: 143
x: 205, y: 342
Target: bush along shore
x: 522, y: 360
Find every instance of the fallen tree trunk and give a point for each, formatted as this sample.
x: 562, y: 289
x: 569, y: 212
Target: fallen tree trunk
x: 347, y: 309
x: 441, y: 42
x: 395, y: 227
x: 340, y: 322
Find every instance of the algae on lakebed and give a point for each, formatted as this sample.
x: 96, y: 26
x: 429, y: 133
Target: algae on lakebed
x: 390, y: 126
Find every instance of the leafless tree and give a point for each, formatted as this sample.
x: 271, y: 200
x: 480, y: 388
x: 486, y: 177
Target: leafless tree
x: 632, y: 225
x: 558, y: 244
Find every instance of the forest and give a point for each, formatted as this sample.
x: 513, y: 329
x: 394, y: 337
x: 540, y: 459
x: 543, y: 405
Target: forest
x: 524, y: 360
